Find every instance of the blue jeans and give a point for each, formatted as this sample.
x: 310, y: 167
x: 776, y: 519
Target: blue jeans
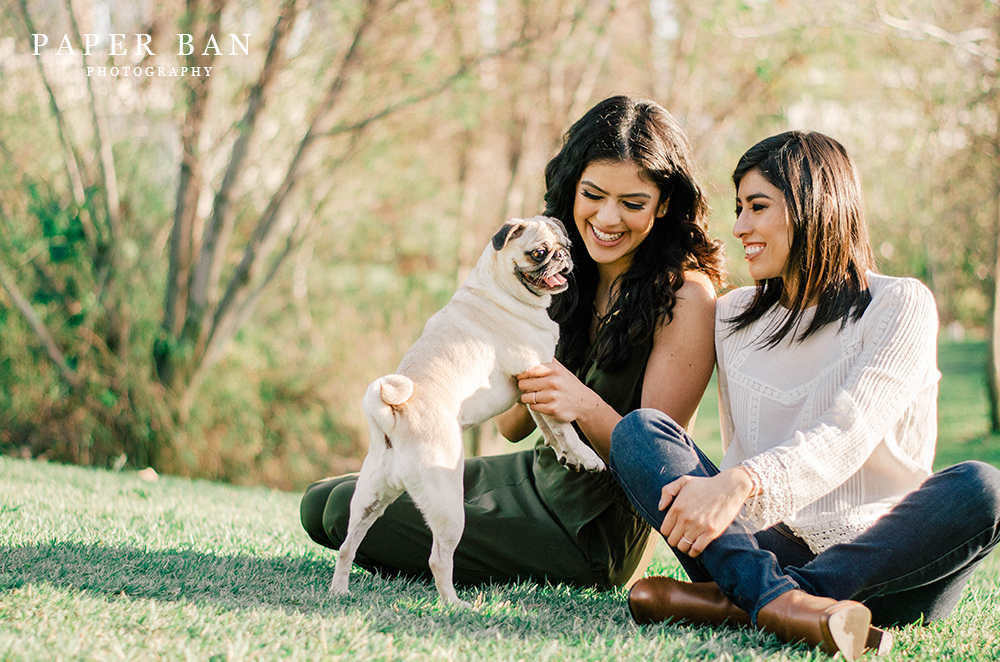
x: 912, y: 563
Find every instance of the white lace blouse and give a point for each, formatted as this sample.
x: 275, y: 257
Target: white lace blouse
x: 837, y: 428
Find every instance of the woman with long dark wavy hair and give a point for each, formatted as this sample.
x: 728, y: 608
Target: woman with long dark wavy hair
x: 636, y: 331
x: 824, y: 522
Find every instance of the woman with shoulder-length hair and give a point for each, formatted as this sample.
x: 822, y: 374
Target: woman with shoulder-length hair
x: 636, y: 331
x: 824, y: 517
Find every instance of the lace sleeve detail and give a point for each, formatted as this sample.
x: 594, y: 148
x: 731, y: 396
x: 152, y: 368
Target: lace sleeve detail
x: 772, y: 503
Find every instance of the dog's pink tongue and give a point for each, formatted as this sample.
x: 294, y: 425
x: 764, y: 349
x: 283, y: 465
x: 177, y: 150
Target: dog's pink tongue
x: 555, y: 280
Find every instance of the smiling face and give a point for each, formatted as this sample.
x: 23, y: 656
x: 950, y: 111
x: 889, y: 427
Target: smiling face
x: 534, y: 251
x: 763, y: 225
x: 614, y: 210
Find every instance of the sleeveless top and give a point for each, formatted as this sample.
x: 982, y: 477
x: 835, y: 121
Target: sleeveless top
x: 577, y: 498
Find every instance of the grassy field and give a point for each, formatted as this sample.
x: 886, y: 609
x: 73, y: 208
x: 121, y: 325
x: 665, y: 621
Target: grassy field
x: 96, y: 565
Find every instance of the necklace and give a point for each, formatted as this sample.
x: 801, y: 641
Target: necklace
x: 602, y: 319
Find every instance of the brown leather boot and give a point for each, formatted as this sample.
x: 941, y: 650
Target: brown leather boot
x: 835, y: 626
x: 656, y: 599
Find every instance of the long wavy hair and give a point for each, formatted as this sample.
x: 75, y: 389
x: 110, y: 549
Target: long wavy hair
x: 625, y: 129
x: 830, y: 252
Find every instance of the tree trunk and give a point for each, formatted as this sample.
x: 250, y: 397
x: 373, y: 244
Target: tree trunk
x: 169, y: 369
x: 993, y: 363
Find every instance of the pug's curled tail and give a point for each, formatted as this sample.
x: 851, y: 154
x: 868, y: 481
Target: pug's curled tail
x: 384, y: 397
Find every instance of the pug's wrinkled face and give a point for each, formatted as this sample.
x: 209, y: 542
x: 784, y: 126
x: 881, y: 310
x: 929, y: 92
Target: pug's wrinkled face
x: 539, y: 249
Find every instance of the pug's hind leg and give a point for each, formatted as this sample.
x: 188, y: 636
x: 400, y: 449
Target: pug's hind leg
x: 566, y: 443
x: 439, y: 497
x: 371, y: 497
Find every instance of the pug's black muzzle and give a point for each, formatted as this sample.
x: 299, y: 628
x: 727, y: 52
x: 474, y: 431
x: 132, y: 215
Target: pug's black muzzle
x: 550, y: 276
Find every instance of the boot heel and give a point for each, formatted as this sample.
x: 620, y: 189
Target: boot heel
x: 845, y: 629
x: 879, y: 641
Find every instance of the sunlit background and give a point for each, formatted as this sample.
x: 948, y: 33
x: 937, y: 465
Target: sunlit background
x: 201, y: 273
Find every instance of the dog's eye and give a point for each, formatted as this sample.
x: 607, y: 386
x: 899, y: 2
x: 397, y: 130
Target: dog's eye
x: 538, y: 254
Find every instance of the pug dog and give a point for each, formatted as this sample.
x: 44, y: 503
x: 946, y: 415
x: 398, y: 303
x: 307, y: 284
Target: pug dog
x: 460, y: 372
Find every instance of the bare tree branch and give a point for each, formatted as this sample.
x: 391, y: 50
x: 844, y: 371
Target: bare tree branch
x: 247, y: 281
x: 34, y: 321
x: 460, y: 72
x: 102, y: 145
x: 72, y: 161
x: 190, y: 183
x: 293, y: 240
x: 967, y: 40
x: 254, y: 254
x: 204, y: 286
x: 599, y: 50
x: 301, y: 225
x: 567, y: 98
x: 751, y: 85
x: 970, y: 41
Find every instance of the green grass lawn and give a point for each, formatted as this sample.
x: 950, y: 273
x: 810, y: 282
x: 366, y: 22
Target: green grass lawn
x: 96, y: 565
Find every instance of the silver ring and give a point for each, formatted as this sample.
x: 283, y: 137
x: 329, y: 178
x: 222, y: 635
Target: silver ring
x: 534, y: 397
x: 690, y: 542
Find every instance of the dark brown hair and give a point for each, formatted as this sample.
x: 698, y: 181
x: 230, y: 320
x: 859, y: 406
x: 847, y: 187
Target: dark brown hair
x: 624, y: 129
x: 830, y: 251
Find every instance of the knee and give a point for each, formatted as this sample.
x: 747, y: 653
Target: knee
x: 984, y: 485
x: 311, y: 512
x: 337, y: 514
x: 325, y: 510
x: 979, y: 486
x: 634, y: 438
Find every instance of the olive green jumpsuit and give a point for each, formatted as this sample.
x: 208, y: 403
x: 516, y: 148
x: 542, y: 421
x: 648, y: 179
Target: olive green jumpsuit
x: 527, y: 517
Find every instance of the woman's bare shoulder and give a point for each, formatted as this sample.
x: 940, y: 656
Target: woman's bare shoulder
x: 697, y: 290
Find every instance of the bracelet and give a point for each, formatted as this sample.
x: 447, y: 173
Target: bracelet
x: 754, y: 480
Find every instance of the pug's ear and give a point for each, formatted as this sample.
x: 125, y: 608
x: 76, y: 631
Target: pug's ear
x: 559, y: 224
x: 512, y: 229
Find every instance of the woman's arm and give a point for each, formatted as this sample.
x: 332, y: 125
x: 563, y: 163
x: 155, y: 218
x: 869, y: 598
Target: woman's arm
x: 683, y: 357
x: 896, y: 362
x: 516, y: 423
x: 679, y: 368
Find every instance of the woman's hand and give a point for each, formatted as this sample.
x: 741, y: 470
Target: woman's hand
x: 550, y: 388
x: 699, y: 509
